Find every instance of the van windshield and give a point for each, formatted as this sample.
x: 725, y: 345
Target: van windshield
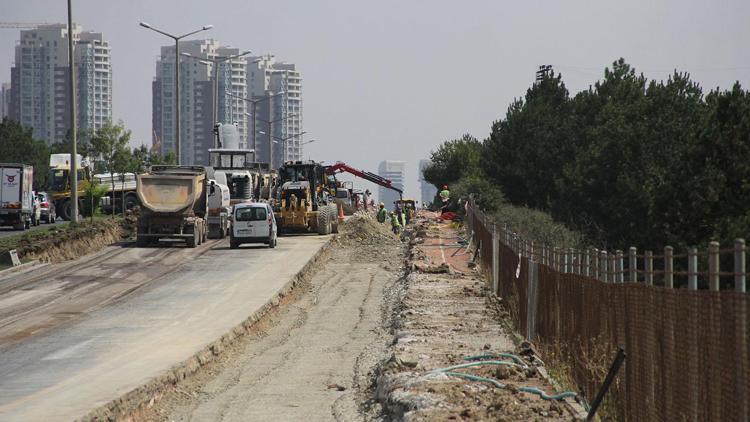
x: 251, y: 214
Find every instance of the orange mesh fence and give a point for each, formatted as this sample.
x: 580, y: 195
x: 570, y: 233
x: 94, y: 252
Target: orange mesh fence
x: 688, y: 353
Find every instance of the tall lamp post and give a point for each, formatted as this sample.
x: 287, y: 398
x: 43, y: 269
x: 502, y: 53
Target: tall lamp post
x: 269, y: 123
x: 176, y: 39
x: 215, y: 62
x: 73, y: 123
x: 254, y: 104
x: 283, y: 141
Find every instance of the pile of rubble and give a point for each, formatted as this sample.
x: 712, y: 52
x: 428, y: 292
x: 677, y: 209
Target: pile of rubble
x: 363, y: 228
x: 452, y: 357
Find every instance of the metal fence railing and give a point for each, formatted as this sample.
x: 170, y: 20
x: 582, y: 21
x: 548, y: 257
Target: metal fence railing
x: 685, y: 332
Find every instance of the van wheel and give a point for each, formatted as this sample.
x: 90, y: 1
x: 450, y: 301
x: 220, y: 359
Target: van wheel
x: 141, y: 242
x: 233, y: 244
x: 272, y: 243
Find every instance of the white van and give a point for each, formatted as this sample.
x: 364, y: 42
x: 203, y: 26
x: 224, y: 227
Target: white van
x: 253, y: 223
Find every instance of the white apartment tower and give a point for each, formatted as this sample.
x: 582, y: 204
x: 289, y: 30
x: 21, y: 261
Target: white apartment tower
x: 278, y: 121
x: 39, y: 81
x: 196, y: 98
x: 395, y: 171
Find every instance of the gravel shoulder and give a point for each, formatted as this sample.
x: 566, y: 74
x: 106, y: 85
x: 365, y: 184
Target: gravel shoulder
x: 315, y: 356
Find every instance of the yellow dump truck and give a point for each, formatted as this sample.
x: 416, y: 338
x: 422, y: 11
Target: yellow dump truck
x: 174, y: 205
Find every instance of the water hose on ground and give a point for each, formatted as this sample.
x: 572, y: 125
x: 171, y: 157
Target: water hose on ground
x: 449, y: 371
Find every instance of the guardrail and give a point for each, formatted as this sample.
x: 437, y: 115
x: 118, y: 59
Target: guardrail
x: 685, y: 332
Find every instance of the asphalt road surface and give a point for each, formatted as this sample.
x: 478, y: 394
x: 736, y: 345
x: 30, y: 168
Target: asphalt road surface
x: 9, y: 231
x: 75, y: 336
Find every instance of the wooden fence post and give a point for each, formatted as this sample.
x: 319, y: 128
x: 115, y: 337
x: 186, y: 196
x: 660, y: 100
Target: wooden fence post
x: 649, y: 267
x: 713, y: 266
x: 668, y: 267
x: 739, y: 265
x: 632, y: 264
x: 693, y: 268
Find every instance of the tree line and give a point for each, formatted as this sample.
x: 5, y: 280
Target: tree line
x: 629, y: 161
x: 108, y: 148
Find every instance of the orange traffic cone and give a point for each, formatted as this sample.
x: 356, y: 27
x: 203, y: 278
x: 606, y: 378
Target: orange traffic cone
x: 341, y: 213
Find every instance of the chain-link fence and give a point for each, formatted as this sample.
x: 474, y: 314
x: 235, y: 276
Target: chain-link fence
x: 687, y: 348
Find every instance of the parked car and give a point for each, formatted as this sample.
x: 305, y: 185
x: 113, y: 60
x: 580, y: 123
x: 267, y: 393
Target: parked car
x: 46, y: 208
x: 253, y: 222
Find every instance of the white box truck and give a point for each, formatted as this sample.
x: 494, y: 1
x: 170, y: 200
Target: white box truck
x: 16, y: 195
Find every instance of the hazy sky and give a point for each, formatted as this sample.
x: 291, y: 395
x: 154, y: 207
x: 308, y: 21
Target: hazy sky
x: 393, y: 79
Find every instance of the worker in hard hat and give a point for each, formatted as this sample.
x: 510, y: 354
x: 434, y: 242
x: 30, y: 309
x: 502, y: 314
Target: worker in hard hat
x: 395, y: 224
x: 445, y: 194
x: 382, y: 213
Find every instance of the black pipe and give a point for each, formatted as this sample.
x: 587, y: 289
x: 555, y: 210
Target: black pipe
x: 619, y: 359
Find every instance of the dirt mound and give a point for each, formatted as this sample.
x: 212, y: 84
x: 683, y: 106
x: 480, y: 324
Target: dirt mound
x: 69, y: 242
x: 363, y: 228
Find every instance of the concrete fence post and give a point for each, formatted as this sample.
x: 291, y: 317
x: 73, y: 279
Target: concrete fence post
x: 668, y: 267
x: 693, y: 268
x: 505, y: 234
x: 739, y: 265
x: 495, y: 260
x: 713, y: 266
x: 555, y: 265
x: 603, y: 261
x: 566, y: 260
x: 620, y: 269
x: 579, y: 262
x: 612, y: 267
x: 632, y: 264
x: 595, y: 264
x: 587, y: 262
x: 649, y: 268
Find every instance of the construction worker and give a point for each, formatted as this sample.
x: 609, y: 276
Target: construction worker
x: 382, y: 213
x: 445, y: 194
x: 395, y: 224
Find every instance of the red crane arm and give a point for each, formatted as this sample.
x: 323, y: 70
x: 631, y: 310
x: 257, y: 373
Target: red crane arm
x: 341, y: 167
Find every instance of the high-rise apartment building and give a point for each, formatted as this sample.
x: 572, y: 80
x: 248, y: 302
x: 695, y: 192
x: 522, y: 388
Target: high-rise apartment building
x: 196, y: 98
x: 4, y: 100
x: 279, y: 117
x: 427, y: 189
x: 39, y: 95
x: 395, y: 171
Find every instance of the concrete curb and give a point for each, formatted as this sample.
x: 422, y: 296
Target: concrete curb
x: 146, y: 394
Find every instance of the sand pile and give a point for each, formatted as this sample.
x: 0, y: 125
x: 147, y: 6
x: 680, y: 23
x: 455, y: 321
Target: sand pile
x: 362, y: 227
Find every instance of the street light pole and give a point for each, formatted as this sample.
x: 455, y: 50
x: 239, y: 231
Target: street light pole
x: 254, y: 108
x: 270, y: 133
x: 283, y: 141
x: 176, y: 78
x: 73, y: 122
x: 215, y: 63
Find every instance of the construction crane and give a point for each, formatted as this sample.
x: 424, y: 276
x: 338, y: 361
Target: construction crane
x: 22, y: 25
x: 341, y: 167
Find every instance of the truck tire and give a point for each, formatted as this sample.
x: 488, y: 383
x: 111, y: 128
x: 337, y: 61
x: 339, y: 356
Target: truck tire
x: 324, y: 220
x: 192, y: 241
x: 65, y: 210
x: 334, y: 219
x: 233, y: 244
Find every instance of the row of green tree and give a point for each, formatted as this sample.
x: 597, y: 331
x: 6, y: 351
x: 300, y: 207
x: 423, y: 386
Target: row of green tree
x: 108, y: 147
x: 629, y: 161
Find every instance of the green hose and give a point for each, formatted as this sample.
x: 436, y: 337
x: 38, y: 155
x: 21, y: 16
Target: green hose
x: 484, y: 362
x: 448, y: 371
x: 516, y: 358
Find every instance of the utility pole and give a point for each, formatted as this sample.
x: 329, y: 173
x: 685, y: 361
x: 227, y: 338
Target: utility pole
x: 73, y: 122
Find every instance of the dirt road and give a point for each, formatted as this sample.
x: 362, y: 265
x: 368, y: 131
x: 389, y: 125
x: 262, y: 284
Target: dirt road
x: 313, y: 359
